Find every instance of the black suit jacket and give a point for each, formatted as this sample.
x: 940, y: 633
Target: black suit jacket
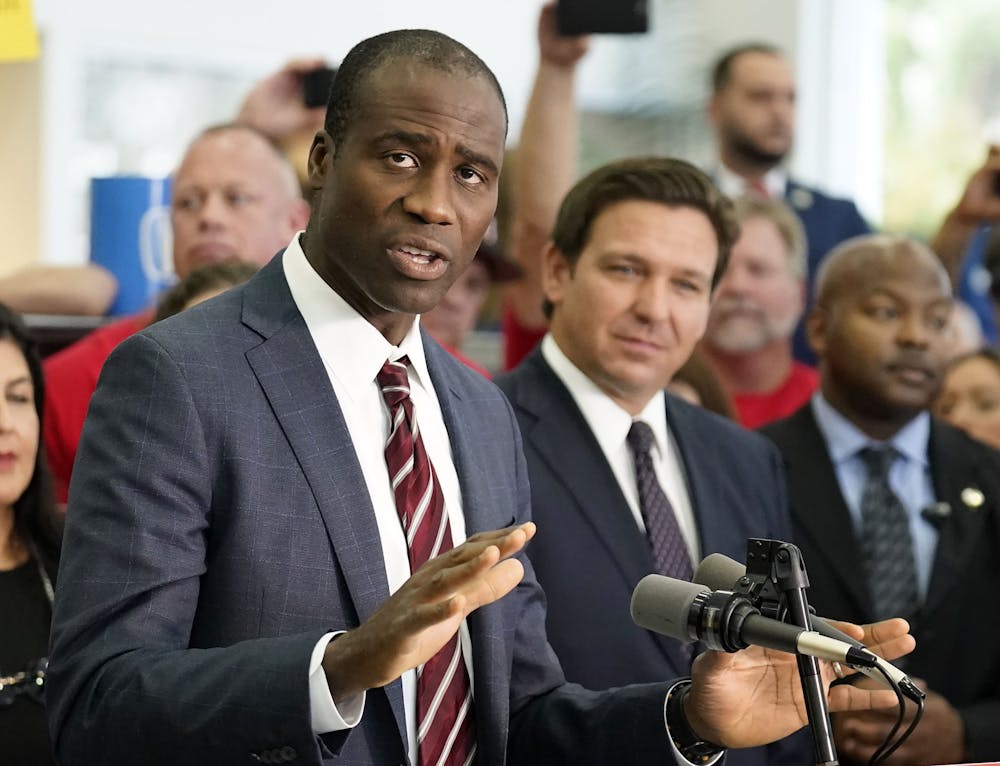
x: 589, y: 552
x: 958, y: 628
x: 827, y: 221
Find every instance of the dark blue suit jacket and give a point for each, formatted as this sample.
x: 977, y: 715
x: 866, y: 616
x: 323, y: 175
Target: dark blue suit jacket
x: 589, y: 552
x: 828, y: 221
x: 220, y: 523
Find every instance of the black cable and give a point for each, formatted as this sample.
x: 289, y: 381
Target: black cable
x: 881, y: 753
x: 909, y: 729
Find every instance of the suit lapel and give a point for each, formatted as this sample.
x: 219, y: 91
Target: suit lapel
x: 562, y: 438
x: 294, y: 380
x: 953, y: 479
x: 819, y: 508
x: 466, y: 427
x: 706, y: 503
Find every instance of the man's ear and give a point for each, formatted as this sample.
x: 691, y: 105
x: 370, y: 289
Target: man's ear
x: 817, y: 323
x: 712, y: 110
x: 556, y: 271
x: 320, y: 156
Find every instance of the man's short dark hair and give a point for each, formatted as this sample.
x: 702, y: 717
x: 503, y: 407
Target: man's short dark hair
x: 722, y: 71
x: 420, y: 46
x: 665, y: 180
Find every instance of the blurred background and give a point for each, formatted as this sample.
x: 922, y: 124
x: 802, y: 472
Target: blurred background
x: 892, y: 93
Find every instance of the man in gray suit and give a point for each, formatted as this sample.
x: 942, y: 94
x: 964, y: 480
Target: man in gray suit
x: 236, y: 585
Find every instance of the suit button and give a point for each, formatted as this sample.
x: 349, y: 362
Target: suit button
x: 288, y: 753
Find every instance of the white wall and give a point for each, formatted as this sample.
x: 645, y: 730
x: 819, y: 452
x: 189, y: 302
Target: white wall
x: 237, y: 37
x: 249, y: 40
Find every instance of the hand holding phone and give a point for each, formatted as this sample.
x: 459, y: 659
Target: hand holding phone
x: 617, y: 17
x: 316, y: 86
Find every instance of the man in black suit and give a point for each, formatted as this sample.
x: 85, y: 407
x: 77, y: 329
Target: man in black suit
x: 880, y: 330
x: 636, y: 251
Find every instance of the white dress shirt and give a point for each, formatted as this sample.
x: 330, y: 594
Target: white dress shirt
x: 353, y: 352
x: 610, y: 425
x: 733, y: 185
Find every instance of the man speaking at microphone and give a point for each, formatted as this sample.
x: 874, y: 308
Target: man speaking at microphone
x: 896, y: 512
x: 629, y: 480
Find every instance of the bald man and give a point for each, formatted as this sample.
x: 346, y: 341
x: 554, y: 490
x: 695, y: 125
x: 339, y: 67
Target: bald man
x: 897, y: 512
x: 235, y: 197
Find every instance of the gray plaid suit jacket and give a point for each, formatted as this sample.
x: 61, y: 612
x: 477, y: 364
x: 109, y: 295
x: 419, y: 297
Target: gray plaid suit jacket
x: 219, y: 524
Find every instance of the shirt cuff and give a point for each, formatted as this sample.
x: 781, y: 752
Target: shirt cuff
x: 678, y: 756
x: 326, y: 716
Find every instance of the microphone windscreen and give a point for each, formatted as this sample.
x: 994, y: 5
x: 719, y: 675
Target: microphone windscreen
x: 662, y: 605
x: 719, y: 572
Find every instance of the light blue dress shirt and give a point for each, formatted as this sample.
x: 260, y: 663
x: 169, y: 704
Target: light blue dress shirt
x: 909, y: 477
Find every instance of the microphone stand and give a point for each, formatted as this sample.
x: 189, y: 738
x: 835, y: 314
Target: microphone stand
x: 790, y: 577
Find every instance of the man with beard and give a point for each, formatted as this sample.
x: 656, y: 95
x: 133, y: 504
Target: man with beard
x: 895, y: 511
x: 757, y: 304
x: 753, y: 109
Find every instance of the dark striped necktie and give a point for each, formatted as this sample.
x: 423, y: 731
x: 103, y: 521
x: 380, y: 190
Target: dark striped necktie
x: 670, y: 553
x: 446, y: 733
x: 886, y: 545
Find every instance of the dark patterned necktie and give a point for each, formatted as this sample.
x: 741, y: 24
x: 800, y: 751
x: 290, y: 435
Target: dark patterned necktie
x: 445, y: 722
x: 886, y: 546
x: 670, y: 554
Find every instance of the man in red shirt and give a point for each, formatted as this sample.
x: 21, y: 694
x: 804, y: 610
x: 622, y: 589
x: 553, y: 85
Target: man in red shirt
x: 757, y: 304
x: 235, y: 197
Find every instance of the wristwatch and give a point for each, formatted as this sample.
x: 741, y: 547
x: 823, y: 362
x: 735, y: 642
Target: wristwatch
x: 692, y: 747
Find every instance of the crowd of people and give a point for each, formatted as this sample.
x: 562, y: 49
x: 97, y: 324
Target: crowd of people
x: 283, y: 517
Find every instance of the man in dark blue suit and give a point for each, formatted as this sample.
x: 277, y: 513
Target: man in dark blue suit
x: 636, y: 251
x: 236, y: 584
x: 753, y: 109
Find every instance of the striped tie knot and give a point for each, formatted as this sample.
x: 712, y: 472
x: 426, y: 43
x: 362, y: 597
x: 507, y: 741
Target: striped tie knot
x: 393, y: 381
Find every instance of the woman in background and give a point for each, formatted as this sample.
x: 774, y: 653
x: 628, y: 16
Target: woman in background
x: 970, y: 395
x: 29, y: 550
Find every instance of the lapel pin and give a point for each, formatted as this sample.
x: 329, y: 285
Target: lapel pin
x: 801, y: 198
x: 973, y: 497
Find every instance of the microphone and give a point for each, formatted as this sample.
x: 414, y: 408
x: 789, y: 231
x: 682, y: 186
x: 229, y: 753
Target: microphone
x: 936, y: 514
x: 720, y: 572
x: 726, y: 621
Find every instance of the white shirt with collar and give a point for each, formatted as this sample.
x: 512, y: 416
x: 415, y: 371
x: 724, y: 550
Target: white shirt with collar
x: 734, y: 185
x: 353, y: 352
x: 610, y: 425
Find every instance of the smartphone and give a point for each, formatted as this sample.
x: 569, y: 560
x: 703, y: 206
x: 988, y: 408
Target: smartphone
x: 316, y: 86
x: 613, y: 17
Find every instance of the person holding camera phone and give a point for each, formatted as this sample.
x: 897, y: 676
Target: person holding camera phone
x: 962, y: 238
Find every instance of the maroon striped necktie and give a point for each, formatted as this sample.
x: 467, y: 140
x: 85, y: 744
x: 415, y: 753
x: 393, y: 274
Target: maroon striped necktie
x: 446, y: 729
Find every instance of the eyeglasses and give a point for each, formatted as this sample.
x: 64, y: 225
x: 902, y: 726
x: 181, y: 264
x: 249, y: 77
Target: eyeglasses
x: 29, y: 682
